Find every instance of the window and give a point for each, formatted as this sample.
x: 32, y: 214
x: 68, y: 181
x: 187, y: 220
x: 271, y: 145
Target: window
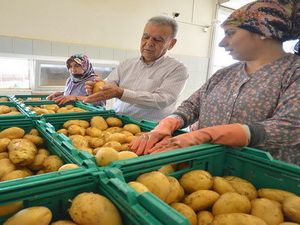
x: 52, y: 74
x: 14, y: 73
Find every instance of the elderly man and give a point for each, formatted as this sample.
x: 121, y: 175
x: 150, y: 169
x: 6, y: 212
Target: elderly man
x: 147, y: 87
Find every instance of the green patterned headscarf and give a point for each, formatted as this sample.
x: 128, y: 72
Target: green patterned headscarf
x: 277, y: 19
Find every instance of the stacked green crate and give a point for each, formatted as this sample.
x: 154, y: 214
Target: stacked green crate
x: 53, y: 149
x: 65, y: 142
x: 57, y: 195
x: 29, y: 98
x: 254, y: 165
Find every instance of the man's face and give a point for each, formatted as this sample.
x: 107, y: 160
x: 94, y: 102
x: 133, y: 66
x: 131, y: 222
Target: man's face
x: 155, y: 42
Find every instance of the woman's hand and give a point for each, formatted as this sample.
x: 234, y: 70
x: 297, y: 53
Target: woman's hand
x: 143, y: 144
x: 53, y: 95
x: 60, y: 100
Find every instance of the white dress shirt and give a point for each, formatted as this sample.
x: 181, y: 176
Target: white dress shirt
x: 150, y: 90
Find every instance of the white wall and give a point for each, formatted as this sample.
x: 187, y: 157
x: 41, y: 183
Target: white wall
x: 104, y: 28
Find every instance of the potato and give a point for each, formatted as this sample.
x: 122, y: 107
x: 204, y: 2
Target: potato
x: 16, y: 174
x: 6, y: 166
x: 180, y: 194
x: 21, y: 152
x: 79, y: 141
x: 267, y: 210
x: 166, y: 169
x: 82, y: 123
x: 106, y: 155
x: 76, y: 130
x: 156, y: 182
x: 174, y: 190
x: 201, y: 199
x: 4, y: 109
x: 10, y: 208
x: 34, y: 131
x: 132, y: 128
x: 125, y: 147
x: 196, y: 180
x: 204, y: 218
x: 3, y: 155
x: 86, y: 149
x: 68, y: 166
x: 274, y: 194
x: 127, y: 133
x: 242, y: 186
x: 3, y: 99
x: 63, y: 222
x: 114, y: 130
x: 34, y: 139
x: 52, y: 163
x: 113, y: 144
x: 222, y: 185
x: 94, y: 132
x: 126, y: 155
x: 63, y: 131
x: 98, y: 85
x: 231, y: 202
x: 12, y: 133
x: 114, y: 122
x: 38, y: 162
x: 121, y: 138
x: 52, y: 107
x: 99, y: 122
x: 138, y: 187
x: 186, y: 211
x: 288, y: 223
x: 291, y: 208
x: 37, y: 215
x: 95, y: 142
x: 94, y: 209
x: 237, y: 219
x: 3, y: 144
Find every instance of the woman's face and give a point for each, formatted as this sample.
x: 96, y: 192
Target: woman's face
x: 75, y: 68
x: 241, y: 44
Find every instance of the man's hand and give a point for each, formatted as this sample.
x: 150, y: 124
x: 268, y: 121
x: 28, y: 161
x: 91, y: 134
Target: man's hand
x: 60, y: 100
x: 106, y: 92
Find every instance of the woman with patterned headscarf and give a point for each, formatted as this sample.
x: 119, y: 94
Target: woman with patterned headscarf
x: 255, y: 102
x: 81, y: 70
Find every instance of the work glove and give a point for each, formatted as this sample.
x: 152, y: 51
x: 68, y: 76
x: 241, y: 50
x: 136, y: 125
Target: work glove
x: 162, y: 131
x: 234, y: 135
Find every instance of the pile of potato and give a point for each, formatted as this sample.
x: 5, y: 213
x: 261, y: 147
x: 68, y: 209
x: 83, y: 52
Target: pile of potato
x: 8, y: 111
x: 54, y: 108
x: 86, y: 209
x: 23, y: 155
x: 228, y: 200
x: 107, y: 139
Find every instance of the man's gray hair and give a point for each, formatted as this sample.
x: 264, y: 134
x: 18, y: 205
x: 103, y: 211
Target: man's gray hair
x: 164, y: 20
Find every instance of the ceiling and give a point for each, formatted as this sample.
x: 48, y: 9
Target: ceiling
x: 235, y: 4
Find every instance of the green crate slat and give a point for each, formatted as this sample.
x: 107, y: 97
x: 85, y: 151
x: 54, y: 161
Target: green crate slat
x: 27, y: 125
x: 57, y: 195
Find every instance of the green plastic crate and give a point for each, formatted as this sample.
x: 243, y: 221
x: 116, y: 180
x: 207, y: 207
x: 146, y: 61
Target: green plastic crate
x: 90, y: 109
x: 56, y: 195
x: 251, y: 164
x: 27, y: 125
x: 65, y: 142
